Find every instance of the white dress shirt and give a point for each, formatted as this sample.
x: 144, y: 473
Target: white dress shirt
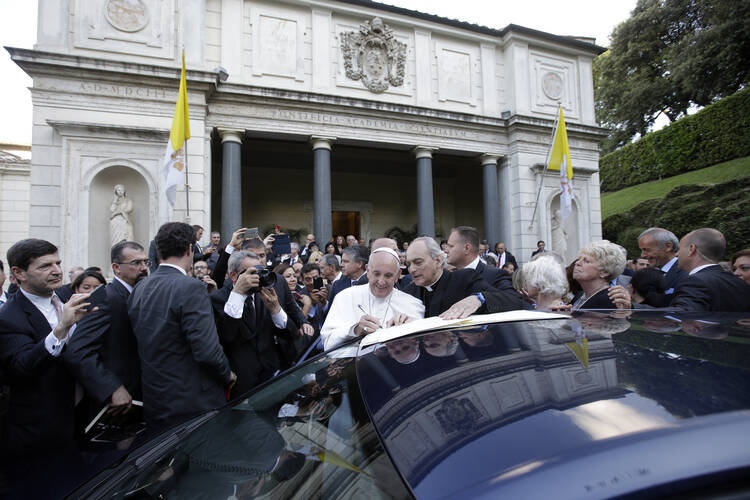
x: 53, y: 345
x: 125, y: 284
x: 235, y: 305
x: 473, y: 264
x: 701, y: 267
x: 666, y: 267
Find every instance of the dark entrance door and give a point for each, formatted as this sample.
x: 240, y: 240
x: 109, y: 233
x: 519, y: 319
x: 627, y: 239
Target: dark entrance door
x: 345, y: 223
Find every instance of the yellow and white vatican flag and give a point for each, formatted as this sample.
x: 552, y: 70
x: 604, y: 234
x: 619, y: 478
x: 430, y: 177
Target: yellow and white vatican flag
x: 560, y: 160
x: 175, y: 157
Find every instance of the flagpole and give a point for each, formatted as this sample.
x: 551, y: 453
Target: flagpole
x: 546, y: 165
x: 187, y: 186
x: 187, y: 177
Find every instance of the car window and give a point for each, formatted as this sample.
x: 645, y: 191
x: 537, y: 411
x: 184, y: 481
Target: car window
x: 305, y: 435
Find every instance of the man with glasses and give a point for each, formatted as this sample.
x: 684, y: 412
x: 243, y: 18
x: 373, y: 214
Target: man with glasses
x: 103, y: 354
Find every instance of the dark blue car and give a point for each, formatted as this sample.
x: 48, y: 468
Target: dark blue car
x: 513, y: 405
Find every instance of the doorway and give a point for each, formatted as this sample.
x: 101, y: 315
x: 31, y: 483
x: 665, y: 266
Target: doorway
x: 344, y: 223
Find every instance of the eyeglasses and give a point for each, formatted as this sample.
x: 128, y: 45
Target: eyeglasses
x: 142, y: 262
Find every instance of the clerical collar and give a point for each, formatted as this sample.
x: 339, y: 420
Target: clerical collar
x: 430, y: 288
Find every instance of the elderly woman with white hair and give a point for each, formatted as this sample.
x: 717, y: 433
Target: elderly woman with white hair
x: 545, y: 281
x: 598, y: 263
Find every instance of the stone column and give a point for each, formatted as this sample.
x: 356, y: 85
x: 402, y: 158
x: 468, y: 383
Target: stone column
x: 322, y: 226
x: 425, y: 201
x: 491, y: 199
x: 231, y: 182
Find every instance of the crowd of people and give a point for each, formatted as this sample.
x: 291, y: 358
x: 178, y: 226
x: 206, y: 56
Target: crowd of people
x: 183, y: 328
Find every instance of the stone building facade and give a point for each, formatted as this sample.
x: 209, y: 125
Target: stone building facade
x: 330, y: 116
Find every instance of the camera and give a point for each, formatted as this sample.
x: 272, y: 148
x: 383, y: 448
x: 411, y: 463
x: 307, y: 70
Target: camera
x: 267, y: 278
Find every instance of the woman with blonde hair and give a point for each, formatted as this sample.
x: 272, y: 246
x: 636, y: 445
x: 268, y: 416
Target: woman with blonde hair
x: 598, y: 264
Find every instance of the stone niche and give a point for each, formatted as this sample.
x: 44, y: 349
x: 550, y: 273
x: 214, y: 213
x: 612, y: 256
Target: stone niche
x: 101, y: 196
x: 570, y: 234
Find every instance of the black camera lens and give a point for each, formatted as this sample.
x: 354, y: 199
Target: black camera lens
x: 267, y: 277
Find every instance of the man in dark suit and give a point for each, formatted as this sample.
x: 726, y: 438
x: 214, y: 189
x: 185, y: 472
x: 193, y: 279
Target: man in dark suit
x: 504, y: 256
x: 255, y: 245
x: 249, y: 320
x: 183, y: 368
x: 354, y: 268
x: 463, y: 252
x: 200, y: 253
x: 103, y: 354
x: 34, y: 329
x: 451, y: 295
x: 318, y: 296
x: 708, y: 287
x: 660, y: 246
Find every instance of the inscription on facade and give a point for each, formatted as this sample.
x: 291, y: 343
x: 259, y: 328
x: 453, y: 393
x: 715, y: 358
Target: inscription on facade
x: 369, y: 123
x: 122, y: 90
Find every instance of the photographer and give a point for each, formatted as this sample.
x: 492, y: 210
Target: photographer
x: 249, y: 319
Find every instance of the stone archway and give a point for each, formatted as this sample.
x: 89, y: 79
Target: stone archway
x: 101, y: 194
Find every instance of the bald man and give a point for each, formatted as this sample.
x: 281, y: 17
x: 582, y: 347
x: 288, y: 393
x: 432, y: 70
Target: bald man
x: 708, y: 287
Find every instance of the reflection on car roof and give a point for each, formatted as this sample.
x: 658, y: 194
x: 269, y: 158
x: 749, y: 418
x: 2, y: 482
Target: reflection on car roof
x: 423, y: 325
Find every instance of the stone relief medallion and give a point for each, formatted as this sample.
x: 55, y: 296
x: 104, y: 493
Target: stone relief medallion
x: 374, y: 56
x: 127, y: 15
x: 552, y: 85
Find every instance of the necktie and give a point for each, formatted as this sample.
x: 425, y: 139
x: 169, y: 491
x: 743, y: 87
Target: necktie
x: 250, y: 303
x: 58, y: 308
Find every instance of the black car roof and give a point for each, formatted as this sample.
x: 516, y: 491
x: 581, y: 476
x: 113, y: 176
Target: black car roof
x: 560, y: 405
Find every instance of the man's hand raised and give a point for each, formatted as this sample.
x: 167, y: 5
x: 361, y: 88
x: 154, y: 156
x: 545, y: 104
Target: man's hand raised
x: 245, y: 282
x: 238, y: 237
x: 72, y: 312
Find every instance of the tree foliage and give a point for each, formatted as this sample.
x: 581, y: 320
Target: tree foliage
x: 668, y: 56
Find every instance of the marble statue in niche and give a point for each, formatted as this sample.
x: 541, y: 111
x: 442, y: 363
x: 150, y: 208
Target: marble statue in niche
x: 559, y: 234
x: 121, y: 216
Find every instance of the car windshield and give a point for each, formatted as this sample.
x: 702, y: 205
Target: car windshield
x: 466, y: 412
x: 305, y: 435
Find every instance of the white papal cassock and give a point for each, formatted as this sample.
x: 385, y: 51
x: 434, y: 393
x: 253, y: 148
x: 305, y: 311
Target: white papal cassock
x: 346, y: 311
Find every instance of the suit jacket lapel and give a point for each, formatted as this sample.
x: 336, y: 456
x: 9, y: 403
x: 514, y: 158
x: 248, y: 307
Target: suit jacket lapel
x: 37, y: 320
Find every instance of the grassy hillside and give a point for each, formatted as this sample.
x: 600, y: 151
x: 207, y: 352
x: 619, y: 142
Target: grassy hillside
x: 625, y: 199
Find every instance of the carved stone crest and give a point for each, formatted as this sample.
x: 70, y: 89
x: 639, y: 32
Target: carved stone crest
x: 552, y: 85
x: 458, y: 415
x: 374, y: 56
x: 127, y: 15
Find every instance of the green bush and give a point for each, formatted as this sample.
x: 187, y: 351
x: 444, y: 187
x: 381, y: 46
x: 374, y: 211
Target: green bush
x: 718, y: 133
x: 724, y: 206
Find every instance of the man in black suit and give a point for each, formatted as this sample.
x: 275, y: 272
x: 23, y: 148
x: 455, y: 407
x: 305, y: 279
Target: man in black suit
x: 354, y: 268
x: 451, y: 295
x: 103, y: 354
x: 183, y: 368
x: 250, y: 321
x: 255, y: 245
x: 504, y: 256
x: 34, y: 329
x: 200, y: 253
x: 463, y: 252
x: 318, y: 296
x: 660, y: 246
x: 708, y: 287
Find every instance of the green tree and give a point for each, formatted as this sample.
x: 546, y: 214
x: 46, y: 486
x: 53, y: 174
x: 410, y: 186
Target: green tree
x: 668, y: 56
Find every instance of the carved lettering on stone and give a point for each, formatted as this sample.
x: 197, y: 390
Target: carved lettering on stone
x: 127, y: 15
x: 374, y: 56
